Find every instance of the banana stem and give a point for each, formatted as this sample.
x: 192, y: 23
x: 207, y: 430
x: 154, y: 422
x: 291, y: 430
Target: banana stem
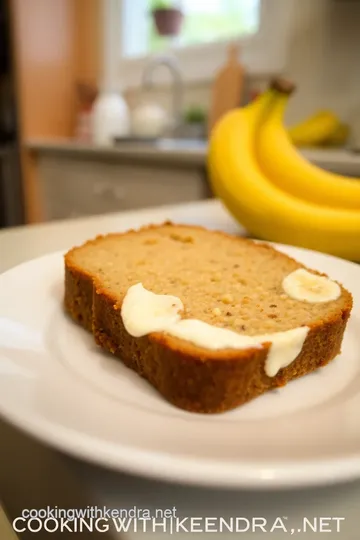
x: 263, y: 103
x: 281, y: 90
x: 278, y: 106
x: 283, y: 86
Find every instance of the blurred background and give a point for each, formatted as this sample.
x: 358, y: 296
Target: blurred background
x: 107, y: 105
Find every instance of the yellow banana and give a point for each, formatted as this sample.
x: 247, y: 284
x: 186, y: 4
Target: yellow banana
x: 291, y: 172
x: 315, y: 130
x: 260, y: 206
x: 338, y: 138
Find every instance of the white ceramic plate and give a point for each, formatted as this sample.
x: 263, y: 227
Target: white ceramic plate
x: 58, y: 386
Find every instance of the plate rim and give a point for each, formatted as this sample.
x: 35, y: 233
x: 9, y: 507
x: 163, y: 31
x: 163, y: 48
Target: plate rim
x: 182, y: 469
x: 251, y: 475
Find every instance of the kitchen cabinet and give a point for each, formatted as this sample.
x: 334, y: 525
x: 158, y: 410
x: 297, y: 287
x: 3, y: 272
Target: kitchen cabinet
x: 75, y: 179
x: 75, y: 186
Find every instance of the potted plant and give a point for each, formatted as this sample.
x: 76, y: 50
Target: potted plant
x: 195, y: 119
x: 167, y: 18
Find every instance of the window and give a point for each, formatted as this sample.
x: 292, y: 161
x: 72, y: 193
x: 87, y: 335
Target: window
x: 205, y: 21
x: 261, y: 27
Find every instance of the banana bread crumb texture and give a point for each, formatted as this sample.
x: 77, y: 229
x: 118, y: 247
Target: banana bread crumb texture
x: 223, y: 280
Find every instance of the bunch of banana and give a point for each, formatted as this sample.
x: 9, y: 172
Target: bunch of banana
x: 322, y: 129
x: 272, y: 190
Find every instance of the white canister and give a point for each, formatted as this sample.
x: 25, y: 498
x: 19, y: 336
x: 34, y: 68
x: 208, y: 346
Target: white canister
x: 149, y: 120
x: 110, y: 118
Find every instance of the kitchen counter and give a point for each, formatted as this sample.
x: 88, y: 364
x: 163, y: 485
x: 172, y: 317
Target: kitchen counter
x: 78, y: 180
x: 174, y: 150
x: 35, y: 240
x: 74, y: 179
x: 182, y: 152
x: 33, y: 475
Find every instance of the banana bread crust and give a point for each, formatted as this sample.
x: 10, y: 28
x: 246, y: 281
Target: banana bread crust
x: 193, y: 379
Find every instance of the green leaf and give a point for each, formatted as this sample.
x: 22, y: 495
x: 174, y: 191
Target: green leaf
x: 195, y: 115
x: 160, y: 4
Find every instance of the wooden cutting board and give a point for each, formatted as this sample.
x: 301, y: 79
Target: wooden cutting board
x: 227, y: 87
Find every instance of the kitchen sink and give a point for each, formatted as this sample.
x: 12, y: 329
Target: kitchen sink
x: 181, y: 143
x: 164, y: 142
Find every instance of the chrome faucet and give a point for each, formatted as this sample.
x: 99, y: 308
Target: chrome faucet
x: 177, y: 85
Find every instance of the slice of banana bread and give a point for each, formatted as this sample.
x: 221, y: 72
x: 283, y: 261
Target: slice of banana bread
x: 227, y: 282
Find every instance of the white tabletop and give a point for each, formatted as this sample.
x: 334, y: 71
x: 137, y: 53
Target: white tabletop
x: 36, y: 476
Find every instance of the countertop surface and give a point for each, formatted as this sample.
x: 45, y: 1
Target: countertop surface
x: 183, y: 151
x: 35, y: 476
x: 192, y: 152
x: 35, y: 240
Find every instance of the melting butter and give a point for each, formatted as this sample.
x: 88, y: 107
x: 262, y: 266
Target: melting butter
x: 285, y: 348
x: 210, y: 337
x: 144, y: 312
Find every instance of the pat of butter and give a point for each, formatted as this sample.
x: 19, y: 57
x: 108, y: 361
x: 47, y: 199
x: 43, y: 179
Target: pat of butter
x: 285, y: 347
x: 144, y: 312
x: 210, y: 337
